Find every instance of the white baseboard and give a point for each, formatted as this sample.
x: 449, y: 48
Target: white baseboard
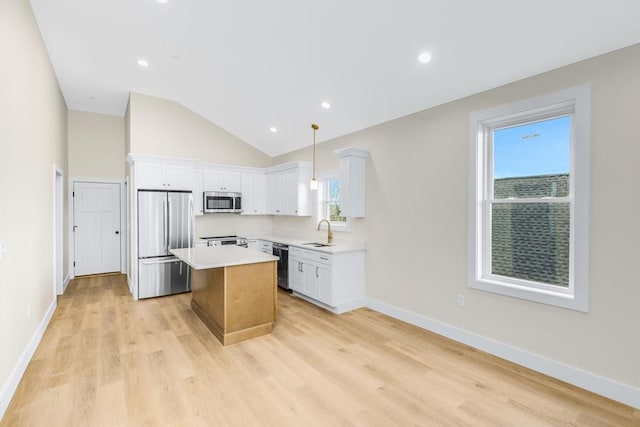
x: 66, y: 283
x: 9, y: 387
x: 620, y: 392
x: 339, y: 309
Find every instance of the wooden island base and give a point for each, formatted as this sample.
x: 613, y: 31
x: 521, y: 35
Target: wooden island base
x: 236, y: 302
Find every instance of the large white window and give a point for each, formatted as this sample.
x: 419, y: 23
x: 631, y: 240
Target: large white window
x: 529, y: 199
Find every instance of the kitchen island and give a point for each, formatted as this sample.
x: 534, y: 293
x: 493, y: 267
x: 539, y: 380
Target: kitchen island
x: 234, y: 290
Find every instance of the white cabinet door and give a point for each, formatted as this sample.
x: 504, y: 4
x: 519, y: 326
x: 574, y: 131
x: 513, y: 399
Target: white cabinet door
x: 289, y: 197
x: 163, y: 176
x: 198, y: 200
x: 352, y: 181
x: 254, y: 198
x: 310, y: 272
x: 150, y: 176
x: 259, y: 193
x: 179, y: 177
x: 248, y: 193
x: 296, y: 275
x: 325, y: 284
x: 217, y: 180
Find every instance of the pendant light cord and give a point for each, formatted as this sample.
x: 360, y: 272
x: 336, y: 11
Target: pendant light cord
x: 315, y: 128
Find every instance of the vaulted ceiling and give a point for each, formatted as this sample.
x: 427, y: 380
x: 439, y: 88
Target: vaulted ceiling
x: 249, y: 66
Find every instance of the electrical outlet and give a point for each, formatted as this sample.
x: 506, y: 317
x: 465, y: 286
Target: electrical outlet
x: 3, y: 250
x: 460, y: 300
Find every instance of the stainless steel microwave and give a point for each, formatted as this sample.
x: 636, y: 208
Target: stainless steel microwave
x: 215, y: 202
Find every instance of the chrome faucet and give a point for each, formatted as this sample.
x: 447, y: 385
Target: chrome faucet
x: 329, y: 234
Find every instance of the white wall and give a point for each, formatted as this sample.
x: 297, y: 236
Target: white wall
x: 96, y: 145
x: 33, y: 126
x: 416, y: 224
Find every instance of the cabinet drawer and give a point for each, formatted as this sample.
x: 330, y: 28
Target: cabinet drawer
x: 318, y: 257
x: 296, y: 252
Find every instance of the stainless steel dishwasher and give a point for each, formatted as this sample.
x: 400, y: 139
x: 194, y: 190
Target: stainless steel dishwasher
x: 282, y: 251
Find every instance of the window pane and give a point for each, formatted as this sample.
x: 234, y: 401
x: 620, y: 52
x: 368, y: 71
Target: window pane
x: 333, y: 190
x: 530, y: 241
x: 334, y: 212
x: 531, y: 187
x: 532, y: 159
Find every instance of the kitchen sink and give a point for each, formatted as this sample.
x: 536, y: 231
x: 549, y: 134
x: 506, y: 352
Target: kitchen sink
x: 317, y: 245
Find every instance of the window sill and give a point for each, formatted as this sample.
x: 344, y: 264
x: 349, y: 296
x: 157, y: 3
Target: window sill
x: 560, y: 298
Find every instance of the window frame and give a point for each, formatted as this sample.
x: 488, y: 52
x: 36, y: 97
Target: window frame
x: 576, y: 102
x: 322, y: 201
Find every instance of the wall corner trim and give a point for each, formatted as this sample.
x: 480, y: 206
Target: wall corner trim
x: 10, y: 386
x: 620, y: 392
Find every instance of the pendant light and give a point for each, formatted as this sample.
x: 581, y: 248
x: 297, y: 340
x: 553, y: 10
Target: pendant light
x: 313, y: 185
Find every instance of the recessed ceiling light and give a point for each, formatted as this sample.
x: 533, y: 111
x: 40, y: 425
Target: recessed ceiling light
x: 163, y: 1
x: 326, y: 105
x: 143, y: 62
x: 273, y: 129
x: 424, y: 57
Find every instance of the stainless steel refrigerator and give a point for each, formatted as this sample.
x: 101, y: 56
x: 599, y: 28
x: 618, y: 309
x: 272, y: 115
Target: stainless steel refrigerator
x: 165, y: 221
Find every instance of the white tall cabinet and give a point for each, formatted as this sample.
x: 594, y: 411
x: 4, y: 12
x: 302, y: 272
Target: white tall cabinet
x: 353, y: 179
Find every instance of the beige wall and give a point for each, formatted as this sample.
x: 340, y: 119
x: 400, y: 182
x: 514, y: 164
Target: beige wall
x: 166, y: 128
x: 33, y: 123
x: 96, y: 145
x: 416, y: 227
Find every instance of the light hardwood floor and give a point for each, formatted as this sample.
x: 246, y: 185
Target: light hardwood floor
x: 107, y: 360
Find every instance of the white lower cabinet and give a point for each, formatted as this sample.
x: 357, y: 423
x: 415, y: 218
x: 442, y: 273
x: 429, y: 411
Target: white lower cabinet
x: 296, y: 273
x: 253, y: 244
x: 332, y: 281
x: 265, y: 247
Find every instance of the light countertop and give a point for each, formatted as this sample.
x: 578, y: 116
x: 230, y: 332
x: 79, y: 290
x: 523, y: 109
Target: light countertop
x: 335, y: 248
x: 220, y: 256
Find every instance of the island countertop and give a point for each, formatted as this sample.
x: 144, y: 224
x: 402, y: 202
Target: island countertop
x: 220, y: 256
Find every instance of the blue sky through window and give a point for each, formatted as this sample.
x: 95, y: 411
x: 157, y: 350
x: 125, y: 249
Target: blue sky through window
x: 540, y: 148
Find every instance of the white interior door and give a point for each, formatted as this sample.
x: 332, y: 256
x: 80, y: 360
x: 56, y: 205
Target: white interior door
x: 96, y: 214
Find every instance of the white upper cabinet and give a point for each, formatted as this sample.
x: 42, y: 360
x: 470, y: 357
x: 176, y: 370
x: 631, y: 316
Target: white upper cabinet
x: 163, y: 175
x: 288, y: 189
x: 215, y: 179
x: 198, y: 199
x: 352, y: 181
x: 254, y: 197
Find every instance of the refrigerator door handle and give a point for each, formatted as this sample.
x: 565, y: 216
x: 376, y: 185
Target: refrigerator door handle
x: 164, y: 261
x: 168, y: 224
x: 166, y: 229
x: 190, y: 221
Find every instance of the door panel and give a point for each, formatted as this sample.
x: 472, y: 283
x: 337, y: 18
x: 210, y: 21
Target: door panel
x: 96, y: 209
x: 162, y: 276
x: 180, y: 220
x: 152, y: 226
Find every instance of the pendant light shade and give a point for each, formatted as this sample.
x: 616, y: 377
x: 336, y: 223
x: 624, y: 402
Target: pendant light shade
x: 313, y: 185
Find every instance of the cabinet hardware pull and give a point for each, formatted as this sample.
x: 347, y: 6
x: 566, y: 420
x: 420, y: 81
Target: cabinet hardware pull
x: 324, y: 258
x: 316, y: 271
